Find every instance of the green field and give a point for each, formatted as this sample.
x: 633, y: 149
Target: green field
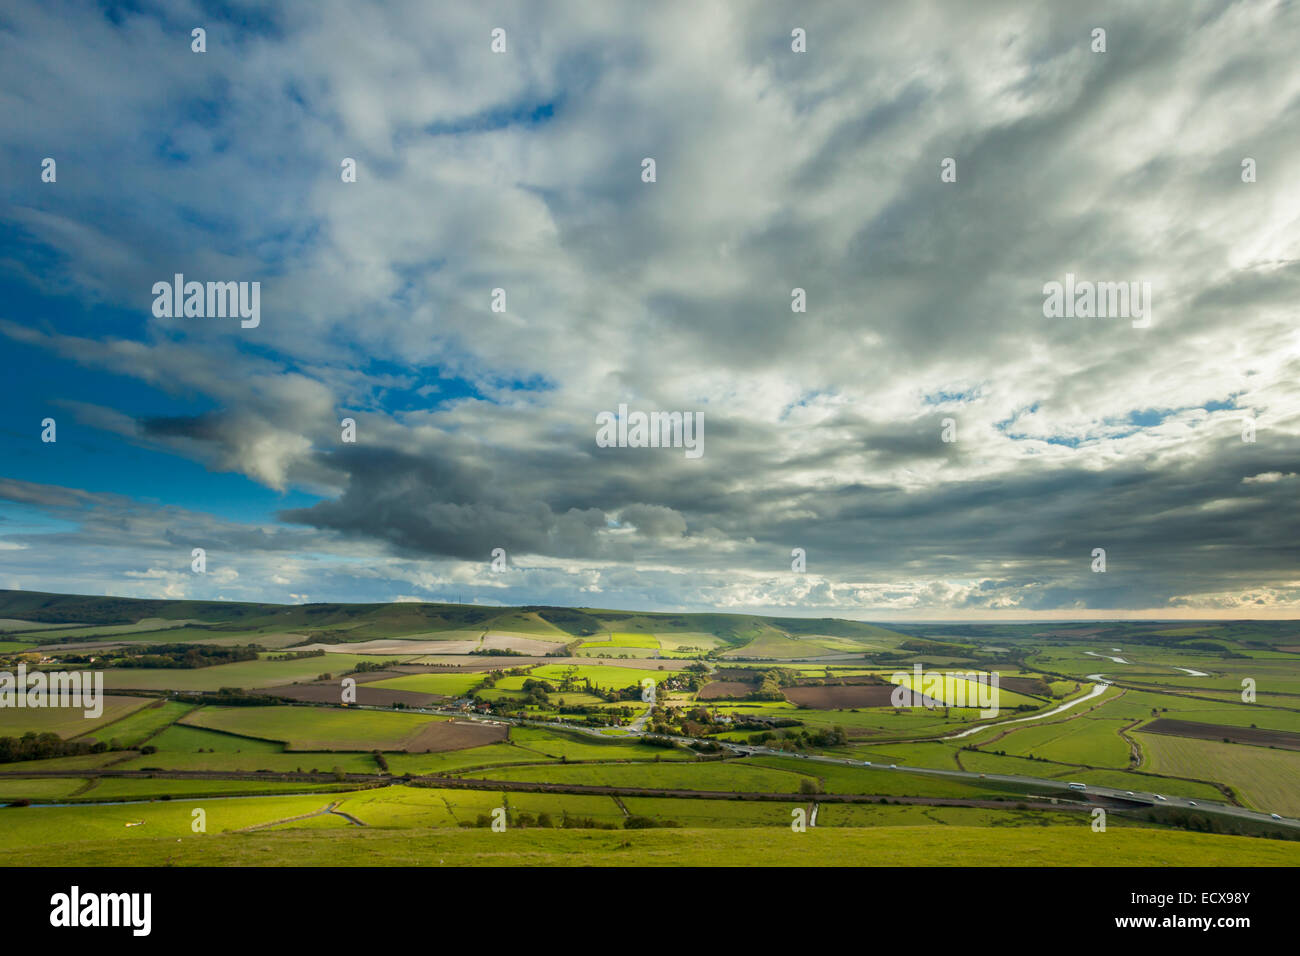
x: 1267, y: 779
x: 66, y: 722
x: 558, y: 744
x: 141, y: 725
x: 446, y: 685
x: 623, y: 640
x: 673, y: 776
x: 1093, y: 741
x: 248, y: 675
x: 316, y: 728
x: 102, y: 845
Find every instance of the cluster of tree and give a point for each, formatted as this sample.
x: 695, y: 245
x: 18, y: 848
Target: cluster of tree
x: 1216, y: 649
x: 743, y: 723
x: 34, y: 746
x: 323, y: 637
x: 801, y: 739
x: 497, y: 652
x: 490, y: 680
x: 227, y: 696
x: 773, y: 682
x: 365, y: 667
x: 1203, y: 823
x: 537, y: 691
x: 923, y: 646
x: 634, y: 822
x: 296, y: 655
x: 182, y: 656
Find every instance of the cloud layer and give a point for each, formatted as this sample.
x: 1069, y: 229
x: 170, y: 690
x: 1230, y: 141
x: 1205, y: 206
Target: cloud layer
x: 775, y: 170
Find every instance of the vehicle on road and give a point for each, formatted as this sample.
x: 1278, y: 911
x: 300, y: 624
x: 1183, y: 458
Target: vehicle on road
x: 1158, y: 797
x: 893, y: 766
x: 1078, y: 786
x: 1191, y: 803
x: 1275, y: 816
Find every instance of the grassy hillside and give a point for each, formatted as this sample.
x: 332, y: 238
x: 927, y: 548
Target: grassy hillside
x: 57, y: 618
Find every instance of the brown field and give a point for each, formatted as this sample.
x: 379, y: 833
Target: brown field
x: 851, y: 679
x: 725, y: 689
x: 396, y: 646
x: 471, y: 663
x: 455, y: 735
x: 1240, y: 735
x: 516, y: 642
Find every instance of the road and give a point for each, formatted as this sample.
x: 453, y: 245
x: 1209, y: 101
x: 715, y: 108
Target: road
x: 1128, y: 796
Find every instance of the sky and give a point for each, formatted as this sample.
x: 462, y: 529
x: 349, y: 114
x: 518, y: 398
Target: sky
x: 931, y: 437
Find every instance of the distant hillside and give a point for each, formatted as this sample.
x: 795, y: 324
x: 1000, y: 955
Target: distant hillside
x: 358, y: 622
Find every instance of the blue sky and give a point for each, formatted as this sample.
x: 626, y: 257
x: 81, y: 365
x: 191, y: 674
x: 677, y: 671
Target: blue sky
x: 830, y: 429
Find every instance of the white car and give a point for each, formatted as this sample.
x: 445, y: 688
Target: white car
x: 1275, y: 816
x: 1129, y: 792
x: 866, y: 763
x: 893, y: 766
x: 1158, y: 797
x: 1191, y: 803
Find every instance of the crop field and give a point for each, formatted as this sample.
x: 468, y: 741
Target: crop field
x: 445, y: 685
x: 142, y: 724
x: 14, y: 787
x: 956, y: 691
x: 182, y: 738
x: 1267, y: 779
x: 559, y: 745
x: 778, y: 647
x: 119, y: 788
x: 57, y: 826
x: 66, y: 722
x: 713, y: 813
x: 311, y: 728
x: 622, y: 641
x: 668, y: 776
x: 252, y: 759
x: 243, y: 674
x: 1093, y: 741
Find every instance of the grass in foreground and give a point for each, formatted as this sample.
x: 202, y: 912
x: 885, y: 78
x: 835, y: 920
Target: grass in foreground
x: 895, y: 846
